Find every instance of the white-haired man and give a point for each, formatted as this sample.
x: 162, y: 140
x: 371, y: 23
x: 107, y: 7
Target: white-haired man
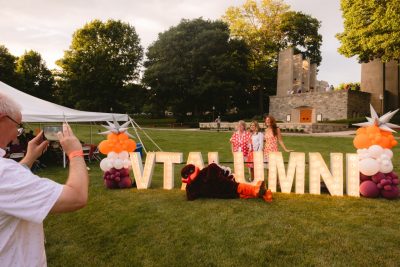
x: 26, y: 199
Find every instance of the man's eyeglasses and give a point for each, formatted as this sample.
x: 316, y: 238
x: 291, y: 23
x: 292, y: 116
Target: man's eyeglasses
x: 20, y: 128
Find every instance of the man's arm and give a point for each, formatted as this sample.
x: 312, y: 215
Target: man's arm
x: 74, y: 195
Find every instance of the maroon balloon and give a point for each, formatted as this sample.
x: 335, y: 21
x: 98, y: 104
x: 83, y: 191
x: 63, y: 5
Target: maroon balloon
x: 387, y: 188
x: 393, y: 175
x: 125, y: 182
x: 378, y: 177
x: 364, y: 177
x: 395, y: 181
x: 391, y: 194
x: 369, y: 189
x: 124, y: 172
x: 110, y: 184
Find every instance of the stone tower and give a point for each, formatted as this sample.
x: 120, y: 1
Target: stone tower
x: 382, y: 82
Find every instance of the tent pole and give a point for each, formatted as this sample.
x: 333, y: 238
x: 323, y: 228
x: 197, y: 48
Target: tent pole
x: 134, y: 128
x: 91, y: 134
x: 137, y: 125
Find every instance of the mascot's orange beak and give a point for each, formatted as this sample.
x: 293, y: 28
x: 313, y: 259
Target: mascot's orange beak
x: 191, y: 177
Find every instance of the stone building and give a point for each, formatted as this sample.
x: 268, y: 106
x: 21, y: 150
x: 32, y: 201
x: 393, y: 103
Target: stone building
x: 301, y: 98
x: 382, y: 82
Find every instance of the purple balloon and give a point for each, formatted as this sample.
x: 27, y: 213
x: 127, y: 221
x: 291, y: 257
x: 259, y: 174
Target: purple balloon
x: 379, y: 186
x: 376, y: 178
x: 391, y: 194
x: 364, y: 177
x: 125, y: 182
x: 385, y: 182
x: 393, y: 175
x: 387, y: 188
x: 369, y: 189
x: 110, y: 184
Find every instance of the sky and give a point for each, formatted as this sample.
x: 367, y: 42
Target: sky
x: 46, y: 26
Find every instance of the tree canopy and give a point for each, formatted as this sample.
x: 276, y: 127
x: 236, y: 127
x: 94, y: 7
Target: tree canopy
x: 101, y: 62
x: 194, y: 66
x: 371, y: 29
x: 7, y: 66
x: 34, y: 77
x: 267, y: 26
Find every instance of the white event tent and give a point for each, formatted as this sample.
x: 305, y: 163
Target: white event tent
x: 37, y: 110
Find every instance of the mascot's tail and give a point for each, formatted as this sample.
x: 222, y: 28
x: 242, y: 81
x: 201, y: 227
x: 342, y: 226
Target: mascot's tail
x: 254, y: 191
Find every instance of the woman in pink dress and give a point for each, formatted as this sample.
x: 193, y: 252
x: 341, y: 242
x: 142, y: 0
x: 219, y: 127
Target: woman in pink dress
x: 240, y: 140
x: 272, y: 136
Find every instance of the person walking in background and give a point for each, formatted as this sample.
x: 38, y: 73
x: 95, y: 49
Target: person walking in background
x: 256, y: 143
x: 218, y: 121
x: 272, y: 137
x: 240, y: 140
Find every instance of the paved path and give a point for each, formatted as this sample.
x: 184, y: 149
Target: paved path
x: 340, y: 134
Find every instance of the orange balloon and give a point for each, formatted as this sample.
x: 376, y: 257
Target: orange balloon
x: 361, y: 130
x: 385, y: 142
x: 131, y: 145
x: 394, y: 143
x: 362, y: 141
x: 112, y: 137
x: 373, y: 129
x: 104, y: 147
x: 123, y: 136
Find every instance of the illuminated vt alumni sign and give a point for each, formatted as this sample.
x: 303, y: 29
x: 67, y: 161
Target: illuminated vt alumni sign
x: 294, y: 172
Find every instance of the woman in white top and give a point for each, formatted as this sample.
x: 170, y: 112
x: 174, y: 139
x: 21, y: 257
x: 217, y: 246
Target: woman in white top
x: 256, y: 144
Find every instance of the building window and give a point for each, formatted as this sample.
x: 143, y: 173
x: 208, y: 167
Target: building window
x: 319, y: 117
x: 288, y: 118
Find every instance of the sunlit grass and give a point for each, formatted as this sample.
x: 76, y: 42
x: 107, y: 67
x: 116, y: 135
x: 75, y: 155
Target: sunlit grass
x: 159, y: 227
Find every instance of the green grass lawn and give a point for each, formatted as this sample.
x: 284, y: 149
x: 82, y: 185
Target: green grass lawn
x: 157, y: 227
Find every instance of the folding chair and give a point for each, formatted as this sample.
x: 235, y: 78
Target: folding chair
x: 96, y: 153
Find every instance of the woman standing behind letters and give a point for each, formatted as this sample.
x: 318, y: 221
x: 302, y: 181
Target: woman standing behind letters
x: 256, y: 144
x: 272, y: 136
x: 240, y: 140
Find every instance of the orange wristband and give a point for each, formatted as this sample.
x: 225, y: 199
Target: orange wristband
x: 76, y: 153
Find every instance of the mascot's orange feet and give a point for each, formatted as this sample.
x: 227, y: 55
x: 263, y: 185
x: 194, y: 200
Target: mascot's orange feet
x: 257, y: 191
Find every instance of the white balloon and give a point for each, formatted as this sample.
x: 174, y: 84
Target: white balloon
x: 386, y: 162
x: 388, y: 152
x: 386, y: 168
x: 118, y: 164
x: 384, y: 157
x: 369, y: 166
x: 109, y: 164
x: 112, y: 155
x: 123, y: 155
x: 375, y: 151
x: 104, y: 165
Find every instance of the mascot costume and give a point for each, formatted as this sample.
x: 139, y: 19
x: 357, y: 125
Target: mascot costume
x: 217, y: 182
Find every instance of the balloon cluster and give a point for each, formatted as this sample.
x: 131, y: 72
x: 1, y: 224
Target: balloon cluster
x: 117, y: 178
x: 373, y: 135
x: 117, y: 143
x: 376, y: 172
x: 116, y: 165
x: 384, y: 184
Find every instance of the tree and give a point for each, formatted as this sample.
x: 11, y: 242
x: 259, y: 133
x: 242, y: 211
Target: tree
x: 101, y: 63
x: 194, y: 66
x: 300, y: 31
x: 34, y: 77
x: 267, y: 27
x: 7, y: 67
x: 371, y: 29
